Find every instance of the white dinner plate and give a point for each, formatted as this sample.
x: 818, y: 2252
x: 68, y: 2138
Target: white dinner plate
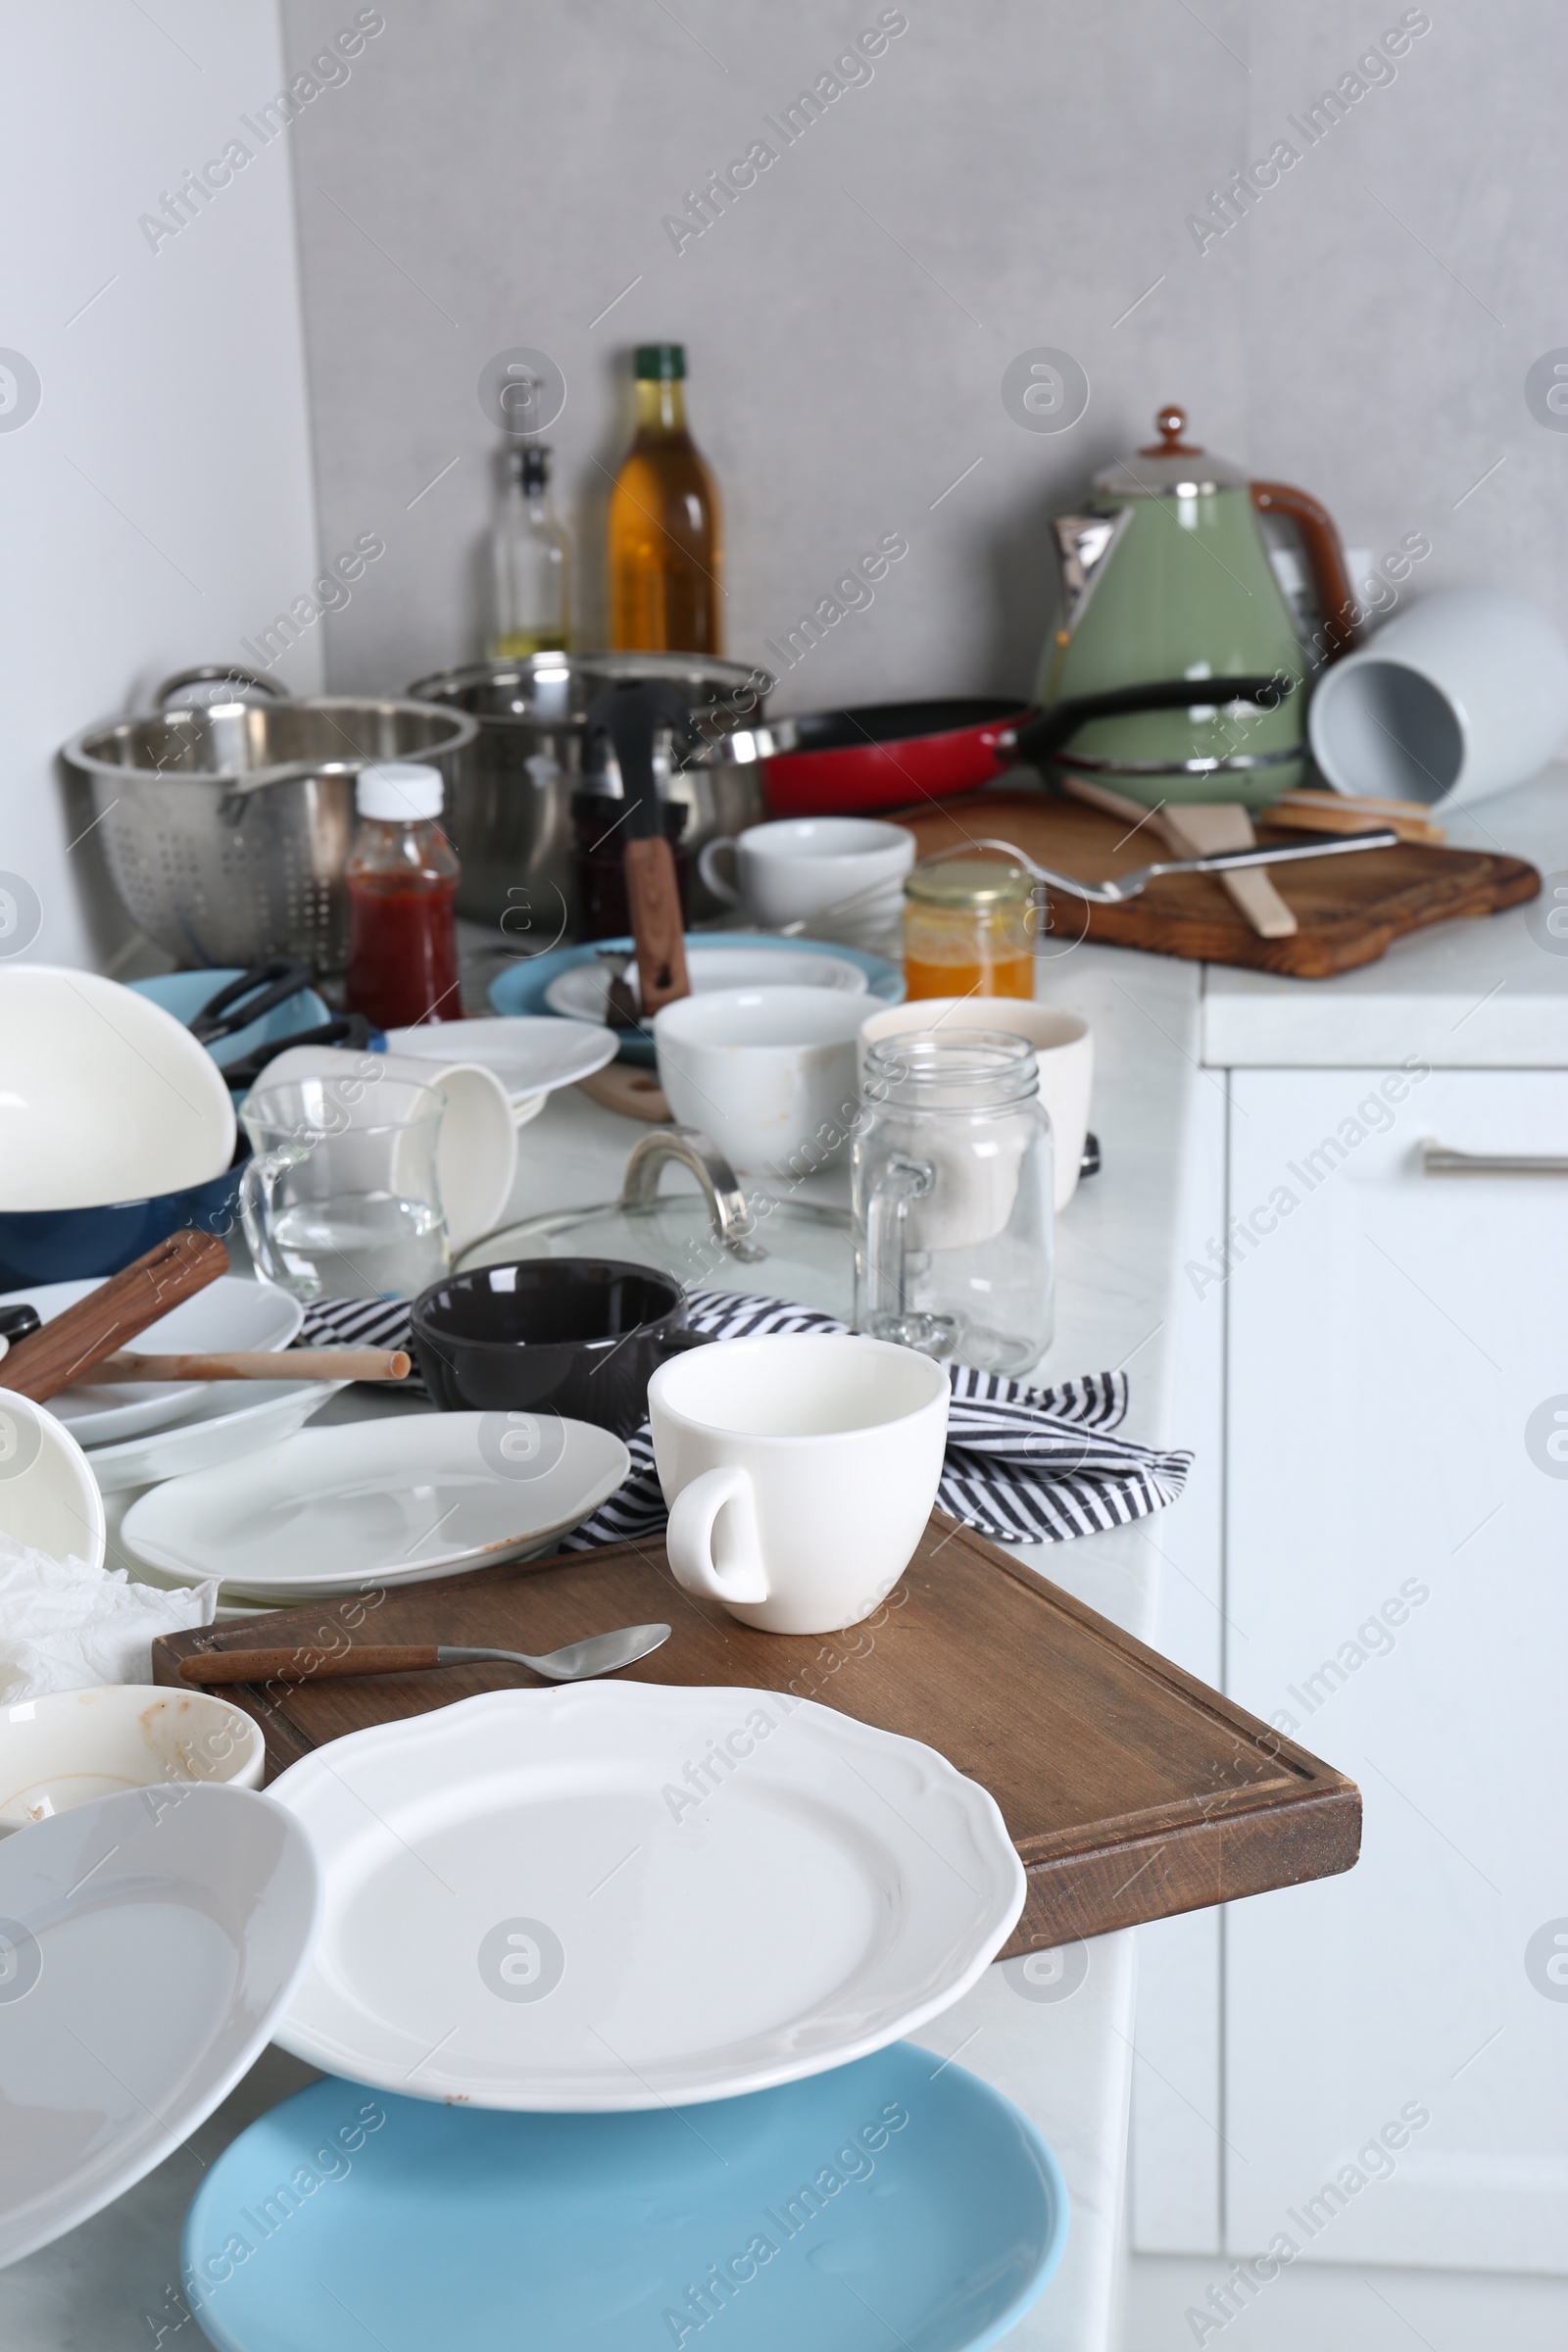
x: 627, y: 1894
x: 234, y: 1417
x: 583, y: 991
x: 148, y: 1943
x: 231, y: 1312
x: 532, y: 1055
x: 378, y: 1503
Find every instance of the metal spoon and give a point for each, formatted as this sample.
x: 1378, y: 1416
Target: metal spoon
x: 601, y: 1653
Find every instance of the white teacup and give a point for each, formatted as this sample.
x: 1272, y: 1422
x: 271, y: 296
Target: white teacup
x: 1065, y: 1055
x: 802, y: 868
x: 800, y: 1471
x: 768, y: 1073
x: 477, y: 1157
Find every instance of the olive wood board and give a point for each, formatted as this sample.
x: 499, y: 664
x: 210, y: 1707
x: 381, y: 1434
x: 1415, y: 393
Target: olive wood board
x: 1347, y: 910
x: 1130, y: 1789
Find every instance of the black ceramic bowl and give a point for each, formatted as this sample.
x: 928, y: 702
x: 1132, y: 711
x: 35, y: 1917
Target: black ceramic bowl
x: 576, y: 1336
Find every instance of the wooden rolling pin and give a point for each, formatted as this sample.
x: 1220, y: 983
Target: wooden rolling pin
x: 283, y: 1363
x: 63, y: 1351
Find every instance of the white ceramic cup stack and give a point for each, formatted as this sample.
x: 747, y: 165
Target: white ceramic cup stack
x: 839, y: 877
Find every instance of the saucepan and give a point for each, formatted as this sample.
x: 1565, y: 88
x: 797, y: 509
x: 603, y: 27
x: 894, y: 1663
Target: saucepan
x: 888, y: 755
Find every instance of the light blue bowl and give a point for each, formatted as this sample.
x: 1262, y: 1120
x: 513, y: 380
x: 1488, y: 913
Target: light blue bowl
x: 896, y: 2200
x: 521, y: 987
x: 184, y: 994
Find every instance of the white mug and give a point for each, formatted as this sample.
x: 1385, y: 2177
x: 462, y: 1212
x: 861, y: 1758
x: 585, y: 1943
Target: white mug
x: 1463, y: 694
x: 800, y: 1471
x: 802, y: 867
x: 1064, y: 1056
x: 768, y: 1073
x: 477, y: 1155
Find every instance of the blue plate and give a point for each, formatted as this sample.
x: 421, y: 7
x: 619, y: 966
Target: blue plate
x: 521, y: 987
x: 184, y: 994
x: 897, y: 2200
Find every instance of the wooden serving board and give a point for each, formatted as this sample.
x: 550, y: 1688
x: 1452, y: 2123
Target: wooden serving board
x: 1348, y: 908
x: 1130, y: 1789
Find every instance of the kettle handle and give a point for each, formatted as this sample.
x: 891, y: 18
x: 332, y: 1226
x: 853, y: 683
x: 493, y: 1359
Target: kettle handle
x: 1325, y: 556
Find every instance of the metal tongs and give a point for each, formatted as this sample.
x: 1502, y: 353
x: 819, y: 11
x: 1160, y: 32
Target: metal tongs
x: 1122, y: 887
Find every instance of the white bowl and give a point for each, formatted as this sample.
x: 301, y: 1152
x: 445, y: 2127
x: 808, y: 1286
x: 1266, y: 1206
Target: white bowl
x: 768, y: 1073
x: 49, y: 1497
x: 104, y: 1097
x: 1065, y: 1055
x: 74, y: 1745
x: 582, y: 992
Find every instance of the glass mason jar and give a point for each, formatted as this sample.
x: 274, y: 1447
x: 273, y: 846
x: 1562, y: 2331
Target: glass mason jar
x: 953, y: 1199
x: 968, y: 929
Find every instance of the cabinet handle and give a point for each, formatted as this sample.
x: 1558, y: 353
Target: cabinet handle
x: 1437, y: 1160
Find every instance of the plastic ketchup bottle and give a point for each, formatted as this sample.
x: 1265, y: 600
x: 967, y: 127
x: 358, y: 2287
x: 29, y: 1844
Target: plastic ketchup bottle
x: 402, y: 881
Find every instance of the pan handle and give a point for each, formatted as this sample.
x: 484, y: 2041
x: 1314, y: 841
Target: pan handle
x: 211, y: 674
x: 1044, y: 737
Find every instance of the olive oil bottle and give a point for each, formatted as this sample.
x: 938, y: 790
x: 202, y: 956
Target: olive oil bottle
x: 666, y: 540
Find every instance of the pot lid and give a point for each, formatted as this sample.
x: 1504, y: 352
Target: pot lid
x: 1170, y: 467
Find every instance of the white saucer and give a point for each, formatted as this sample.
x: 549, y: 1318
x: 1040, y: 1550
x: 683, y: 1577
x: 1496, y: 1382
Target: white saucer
x: 378, y: 1503
x: 583, y: 990
x: 231, y: 1312
x: 559, y: 1900
x: 532, y: 1055
x: 148, y: 1943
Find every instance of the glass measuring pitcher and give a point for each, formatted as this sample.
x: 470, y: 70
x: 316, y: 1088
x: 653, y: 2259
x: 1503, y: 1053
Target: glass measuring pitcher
x: 341, y: 1200
x: 953, y: 1199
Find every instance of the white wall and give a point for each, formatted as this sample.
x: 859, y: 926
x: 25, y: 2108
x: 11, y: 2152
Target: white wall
x: 1016, y: 174
x: 157, y: 506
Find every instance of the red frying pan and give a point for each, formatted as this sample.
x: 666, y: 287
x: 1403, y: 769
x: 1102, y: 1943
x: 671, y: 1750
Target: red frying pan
x: 886, y: 755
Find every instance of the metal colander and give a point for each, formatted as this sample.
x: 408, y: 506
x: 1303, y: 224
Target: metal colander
x: 227, y: 829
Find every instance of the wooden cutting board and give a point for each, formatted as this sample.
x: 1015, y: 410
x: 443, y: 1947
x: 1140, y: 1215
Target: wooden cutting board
x: 1130, y: 1789
x: 1347, y: 910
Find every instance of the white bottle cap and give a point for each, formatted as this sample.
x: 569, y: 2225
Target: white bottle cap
x: 400, y: 791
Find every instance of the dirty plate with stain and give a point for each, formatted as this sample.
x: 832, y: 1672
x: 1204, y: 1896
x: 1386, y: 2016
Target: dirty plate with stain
x: 386, y: 1503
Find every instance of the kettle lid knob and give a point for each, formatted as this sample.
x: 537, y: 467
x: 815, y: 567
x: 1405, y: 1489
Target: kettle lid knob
x: 1170, y: 422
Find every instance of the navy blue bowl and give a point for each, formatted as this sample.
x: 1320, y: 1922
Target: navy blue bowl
x: 69, y: 1245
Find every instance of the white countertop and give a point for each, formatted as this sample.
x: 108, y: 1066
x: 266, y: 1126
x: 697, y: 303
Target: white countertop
x: 112, y: 2286
x: 1489, y: 994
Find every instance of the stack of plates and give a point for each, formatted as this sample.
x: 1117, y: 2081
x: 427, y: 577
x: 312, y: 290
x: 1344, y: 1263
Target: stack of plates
x: 138, y: 1431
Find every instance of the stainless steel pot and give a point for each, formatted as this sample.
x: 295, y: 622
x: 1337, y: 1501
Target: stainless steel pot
x: 227, y: 829
x: 510, y: 809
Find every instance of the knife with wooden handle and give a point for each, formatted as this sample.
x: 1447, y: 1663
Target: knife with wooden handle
x: 630, y: 713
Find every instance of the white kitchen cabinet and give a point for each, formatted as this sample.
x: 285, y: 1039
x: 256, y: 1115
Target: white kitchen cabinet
x: 1397, y: 1590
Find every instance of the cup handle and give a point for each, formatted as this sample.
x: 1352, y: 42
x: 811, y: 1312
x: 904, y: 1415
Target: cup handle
x: 723, y: 890
x: 256, y: 1189
x: 689, y: 1542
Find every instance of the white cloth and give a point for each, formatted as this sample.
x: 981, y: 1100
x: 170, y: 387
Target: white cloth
x: 64, y: 1625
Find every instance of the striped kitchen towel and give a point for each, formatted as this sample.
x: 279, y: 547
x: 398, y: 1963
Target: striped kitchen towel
x: 1024, y: 1465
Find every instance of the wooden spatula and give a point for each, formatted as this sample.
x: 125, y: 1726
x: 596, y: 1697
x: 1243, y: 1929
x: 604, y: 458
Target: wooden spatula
x: 151, y: 1286
x: 1198, y: 829
x: 630, y: 713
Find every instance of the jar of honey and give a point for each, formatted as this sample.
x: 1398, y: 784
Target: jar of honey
x: 968, y: 929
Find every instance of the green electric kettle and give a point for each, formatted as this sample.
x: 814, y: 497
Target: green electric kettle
x: 1167, y: 581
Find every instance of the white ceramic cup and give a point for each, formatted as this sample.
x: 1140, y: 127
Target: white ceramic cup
x: 477, y: 1155
x: 800, y: 1471
x: 1463, y: 694
x: 768, y: 1073
x: 805, y: 866
x: 1065, y: 1055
